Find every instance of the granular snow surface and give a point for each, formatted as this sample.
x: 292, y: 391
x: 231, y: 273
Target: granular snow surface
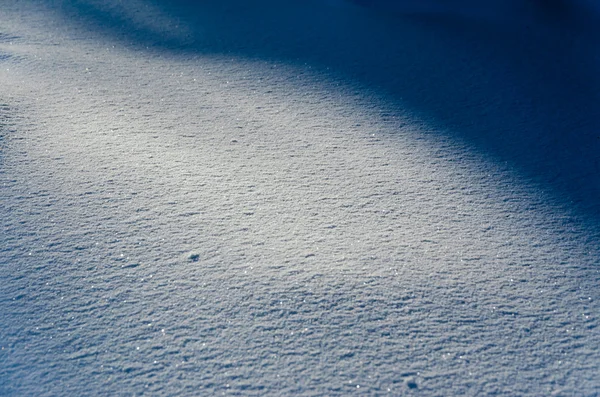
x: 308, y: 198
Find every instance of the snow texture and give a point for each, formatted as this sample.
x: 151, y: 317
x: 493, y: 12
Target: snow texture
x: 318, y: 198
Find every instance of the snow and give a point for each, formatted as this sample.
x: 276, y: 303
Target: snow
x: 298, y: 198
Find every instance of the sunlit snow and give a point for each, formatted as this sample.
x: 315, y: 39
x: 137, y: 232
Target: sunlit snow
x: 299, y: 198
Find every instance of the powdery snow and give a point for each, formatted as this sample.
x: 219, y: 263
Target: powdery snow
x: 304, y: 198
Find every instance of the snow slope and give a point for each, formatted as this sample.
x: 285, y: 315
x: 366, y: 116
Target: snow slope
x: 308, y: 198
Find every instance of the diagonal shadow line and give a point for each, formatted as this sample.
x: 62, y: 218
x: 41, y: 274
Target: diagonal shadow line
x: 524, y: 89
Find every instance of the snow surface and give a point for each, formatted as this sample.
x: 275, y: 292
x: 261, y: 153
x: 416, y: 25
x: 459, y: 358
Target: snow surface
x: 299, y: 198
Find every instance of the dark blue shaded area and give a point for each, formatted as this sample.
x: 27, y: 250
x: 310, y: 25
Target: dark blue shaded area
x: 522, y: 85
